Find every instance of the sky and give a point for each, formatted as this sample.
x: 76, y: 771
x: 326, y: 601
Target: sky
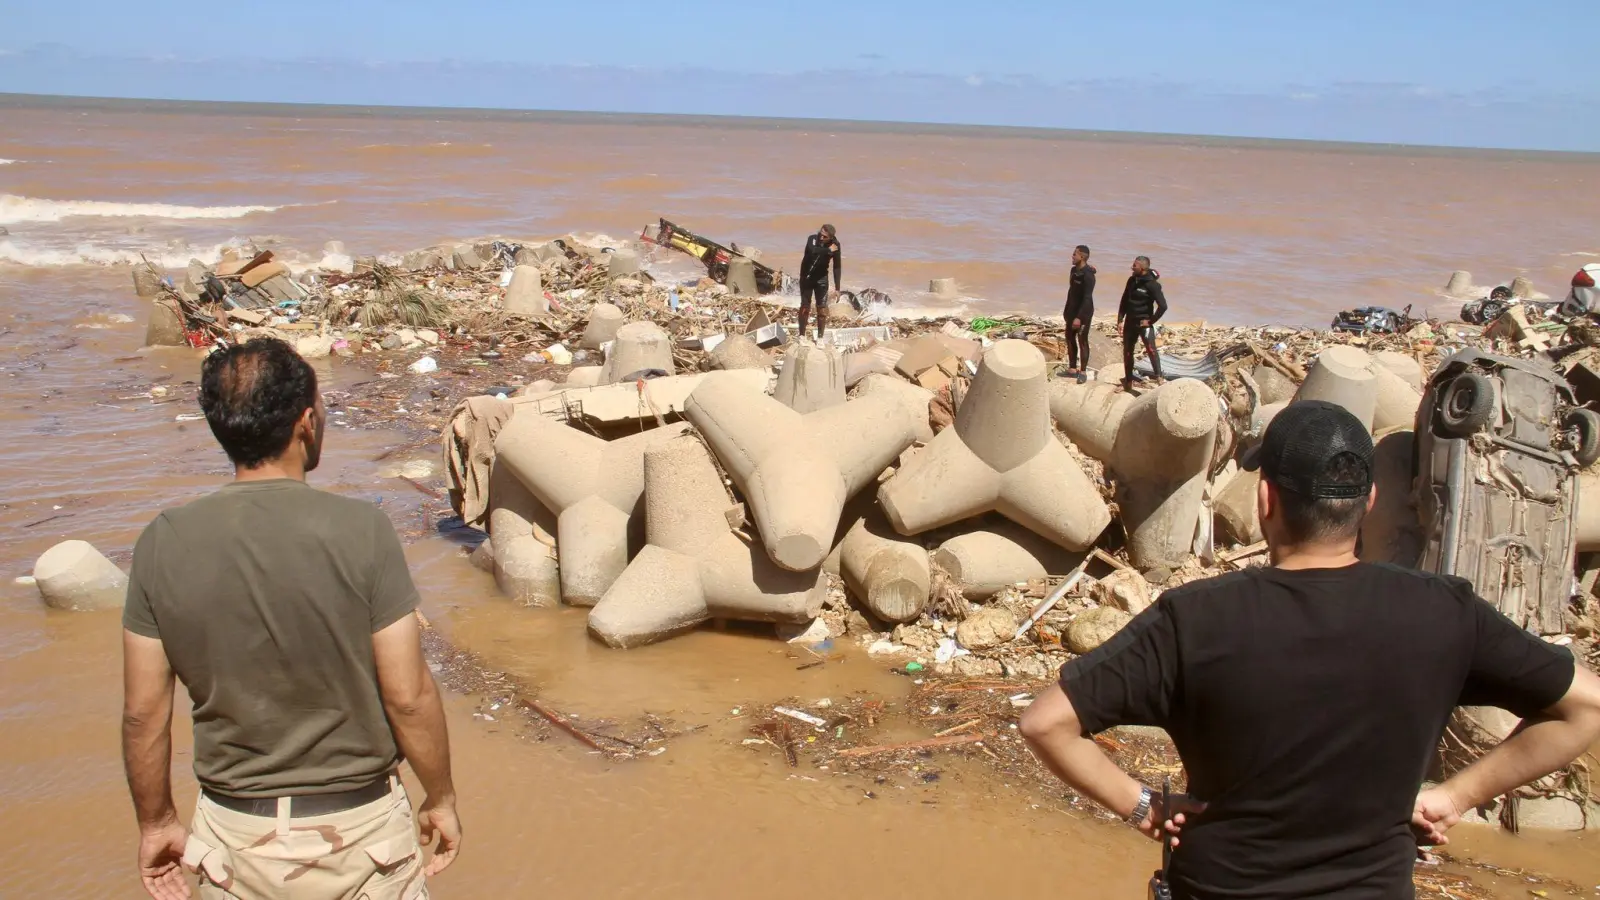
x: 1411, y: 71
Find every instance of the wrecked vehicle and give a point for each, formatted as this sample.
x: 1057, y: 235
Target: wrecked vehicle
x: 1373, y: 319
x: 1499, y: 441
x: 713, y: 255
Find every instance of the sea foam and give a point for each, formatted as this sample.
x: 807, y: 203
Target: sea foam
x: 15, y: 209
x: 22, y: 254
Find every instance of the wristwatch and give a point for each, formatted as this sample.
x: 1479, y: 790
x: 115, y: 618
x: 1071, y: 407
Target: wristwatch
x: 1142, y: 808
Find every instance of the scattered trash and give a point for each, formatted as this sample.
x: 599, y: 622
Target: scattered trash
x: 424, y: 365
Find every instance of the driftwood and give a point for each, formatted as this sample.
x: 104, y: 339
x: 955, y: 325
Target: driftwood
x: 933, y: 743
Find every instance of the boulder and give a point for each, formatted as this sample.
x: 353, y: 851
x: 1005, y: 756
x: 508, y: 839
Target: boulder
x: 1094, y: 627
x: 1123, y: 589
x: 990, y: 627
x: 73, y: 575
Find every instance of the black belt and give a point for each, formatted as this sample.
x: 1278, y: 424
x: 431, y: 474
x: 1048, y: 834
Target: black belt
x: 305, y: 805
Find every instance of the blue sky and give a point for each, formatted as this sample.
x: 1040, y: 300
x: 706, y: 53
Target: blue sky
x: 1418, y: 71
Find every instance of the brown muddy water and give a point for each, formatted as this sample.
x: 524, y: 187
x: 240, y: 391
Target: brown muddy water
x: 1249, y: 232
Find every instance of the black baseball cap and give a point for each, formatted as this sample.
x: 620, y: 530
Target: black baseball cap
x: 1303, y: 441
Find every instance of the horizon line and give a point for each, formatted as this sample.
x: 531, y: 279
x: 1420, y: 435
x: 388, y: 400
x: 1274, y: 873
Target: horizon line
x: 81, y: 102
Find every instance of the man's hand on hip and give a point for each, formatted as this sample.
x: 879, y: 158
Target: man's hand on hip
x: 440, y: 820
x: 160, y: 855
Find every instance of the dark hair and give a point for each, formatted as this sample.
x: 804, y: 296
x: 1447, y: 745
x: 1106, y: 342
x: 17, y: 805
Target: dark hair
x: 1084, y: 248
x: 828, y: 229
x: 1143, y: 259
x: 1307, y: 519
x: 253, y: 394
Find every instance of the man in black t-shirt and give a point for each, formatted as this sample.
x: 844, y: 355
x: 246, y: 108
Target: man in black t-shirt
x: 1306, y: 698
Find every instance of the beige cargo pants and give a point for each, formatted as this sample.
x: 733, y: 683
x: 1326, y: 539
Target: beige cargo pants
x: 366, y: 853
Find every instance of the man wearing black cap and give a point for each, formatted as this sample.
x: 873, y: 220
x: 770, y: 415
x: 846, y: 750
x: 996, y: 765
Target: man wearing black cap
x: 1306, y: 698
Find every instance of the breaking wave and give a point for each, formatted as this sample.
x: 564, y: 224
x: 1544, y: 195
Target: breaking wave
x: 15, y: 209
x: 8, y: 162
x: 90, y: 254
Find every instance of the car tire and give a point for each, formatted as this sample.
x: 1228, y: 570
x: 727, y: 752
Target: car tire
x: 1584, y: 425
x: 1467, y: 404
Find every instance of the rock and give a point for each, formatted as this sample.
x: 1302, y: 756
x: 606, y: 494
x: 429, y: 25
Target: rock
x: 1126, y: 590
x: 976, y: 667
x: 916, y: 637
x: 987, y: 628
x: 1094, y: 627
x: 855, y: 623
x: 428, y: 336
x: 739, y: 351
x: 74, y: 575
x: 1026, y: 668
x: 392, y: 342
x: 315, y: 346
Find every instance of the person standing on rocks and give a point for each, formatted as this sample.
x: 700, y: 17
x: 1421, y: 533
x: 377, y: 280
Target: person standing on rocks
x: 1143, y: 305
x: 822, y: 250
x: 287, y: 613
x: 1079, y: 311
x: 1307, y: 698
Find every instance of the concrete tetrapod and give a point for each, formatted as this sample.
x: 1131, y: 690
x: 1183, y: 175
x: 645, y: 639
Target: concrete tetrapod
x: 74, y: 575
x: 986, y: 561
x: 692, y: 567
x: 1161, y: 461
x: 638, y: 346
x: 999, y: 456
x: 796, y: 471
x: 811, y: 378
x: 604, y: 320
x: 524, y: 561
x: 592, y: 486
x: 739, y: 351
x: 525, y: 295
x: 1343, y: 376
x: 1089, y: 414
x: 888, y: 574
x: 1391, y: 532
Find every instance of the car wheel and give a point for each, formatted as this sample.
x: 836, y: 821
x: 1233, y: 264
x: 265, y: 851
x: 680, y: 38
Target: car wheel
x: 1584, y: 426
x: 1467, y: 404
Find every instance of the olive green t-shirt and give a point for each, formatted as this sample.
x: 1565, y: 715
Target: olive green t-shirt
x: 266, y: 595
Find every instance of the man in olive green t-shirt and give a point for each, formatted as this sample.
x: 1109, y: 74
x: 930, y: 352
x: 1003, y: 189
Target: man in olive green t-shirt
x: 287, y: 614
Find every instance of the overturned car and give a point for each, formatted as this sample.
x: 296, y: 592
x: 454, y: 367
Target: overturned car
x: 1498, y: 445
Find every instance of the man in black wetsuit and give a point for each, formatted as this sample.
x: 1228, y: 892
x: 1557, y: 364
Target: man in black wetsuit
x: 821, y: 248
x: 1079, y: 311
x: 1143, y: 304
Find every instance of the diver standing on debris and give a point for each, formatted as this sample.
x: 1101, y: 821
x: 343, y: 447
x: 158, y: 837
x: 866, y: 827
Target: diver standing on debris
x: 1079, y: 311
x: 1143, y: 305
x: 821, y: 248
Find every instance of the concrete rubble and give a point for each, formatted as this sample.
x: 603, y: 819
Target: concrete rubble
x: 73, y: 575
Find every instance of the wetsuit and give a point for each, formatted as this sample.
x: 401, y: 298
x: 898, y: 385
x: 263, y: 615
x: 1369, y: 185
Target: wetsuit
x: 1080, y: 307
x: 1143, y: 304
x: 814, y: 279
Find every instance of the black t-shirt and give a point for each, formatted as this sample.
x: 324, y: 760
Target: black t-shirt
x: 1306, y: 706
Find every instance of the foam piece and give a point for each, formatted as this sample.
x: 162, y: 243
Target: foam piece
x: 604, y: 320
x: 888, y: 574
x: 796, y: 471
x: 524, y: 561
x: 639, y: 345
x: 739, y: 351
x: 525, y: 296
x: 591, y: 485
x: 1089, y: 414
x: 1343, y: 376
x: 74, y: 575
x: 999, y: 456
x: 987, y: 560
x: 693, y: 567
x: 1161, y: 461
x: 812, y: 378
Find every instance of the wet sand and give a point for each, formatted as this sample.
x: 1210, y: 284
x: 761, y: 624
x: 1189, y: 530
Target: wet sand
x: 88, y: 456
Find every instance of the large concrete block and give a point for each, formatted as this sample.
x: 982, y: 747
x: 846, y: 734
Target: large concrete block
x: 811, y: 378
x: 146, y: 282
x: 525, y: 563
x: 987, y: 560
x: 888, y: 574
x: 465, y: 258
x: 1395, y: 400
x: 74, y: 575
x: 1161, y: 462
x: 639, y: 346
x: 624, y: 263
x: 1391, y: 532
x: 1000, y: 456
x: 693, y: 567
x: 740, y: 351
x: 164, y: 327
x: 917, y: 399
x: 796, y: 471
x: 1238, y: 517
x: 1343, y: 376
x: 741, y: 280
x: 591, y: 485
x: 1089, y: 414
x: 1404, y: 365
x: 525, y: 296
x: 604, y: 321
x: 1275, y: 386
x: 1586, y: 524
